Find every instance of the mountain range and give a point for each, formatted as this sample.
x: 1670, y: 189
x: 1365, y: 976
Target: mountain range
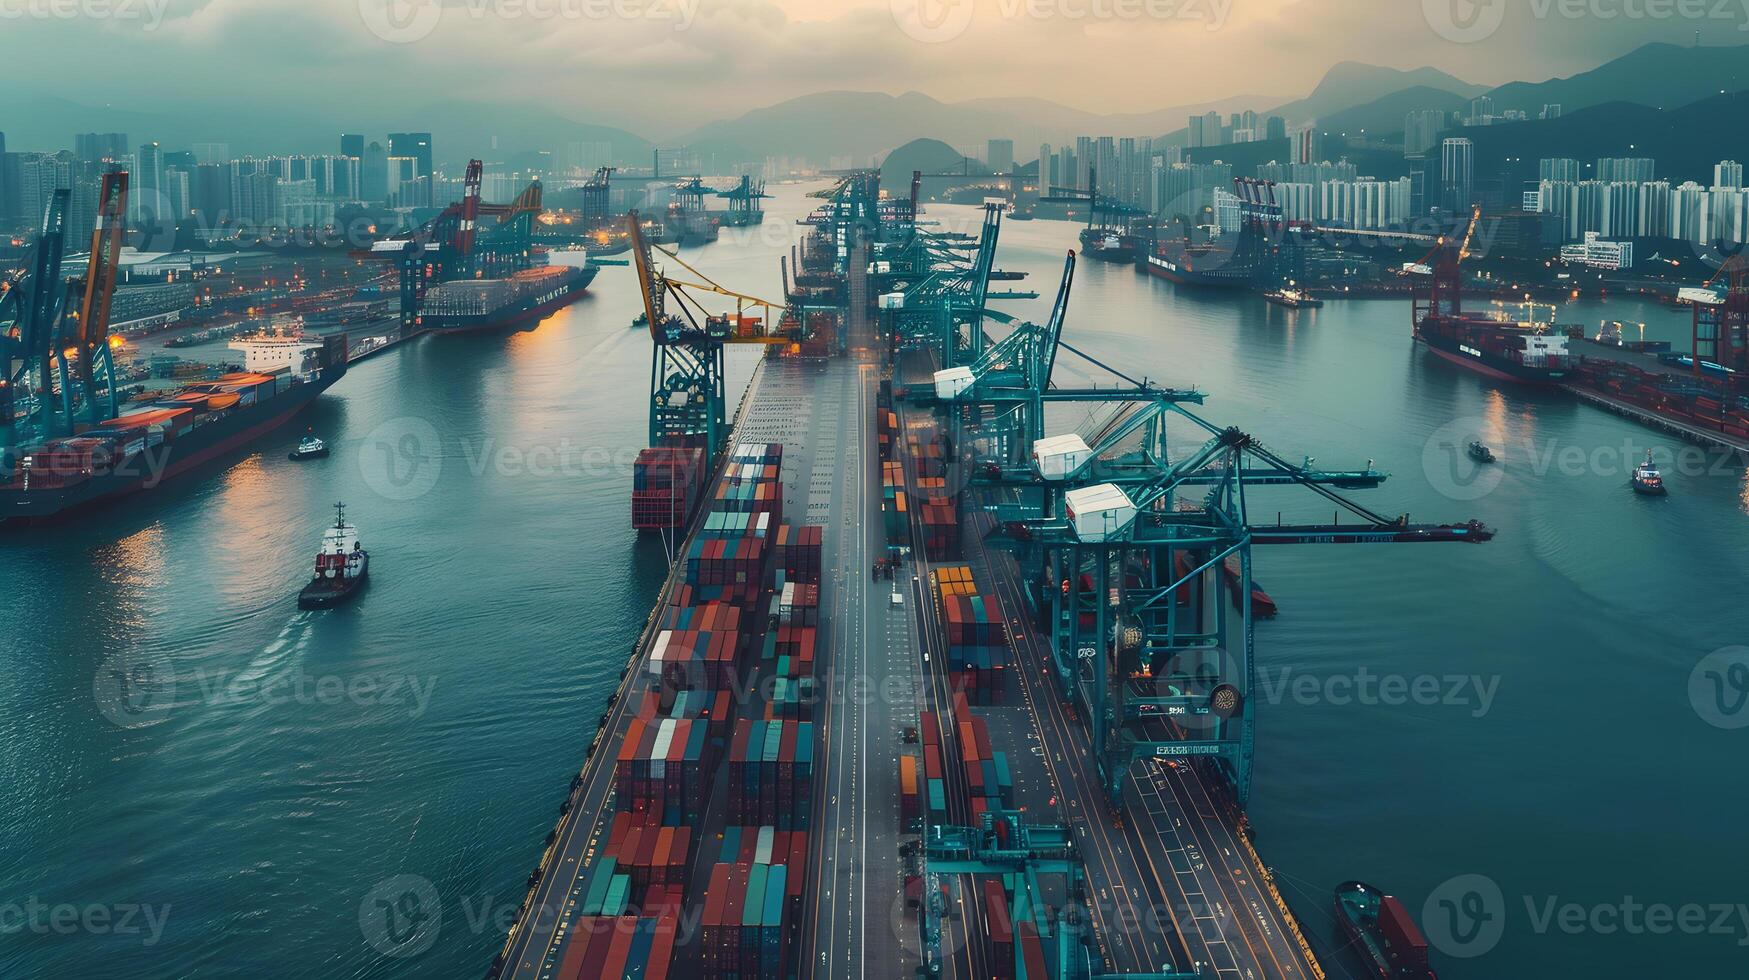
x: 864, y: 126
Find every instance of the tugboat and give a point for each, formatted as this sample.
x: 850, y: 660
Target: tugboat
x: 1647, y: 480
x: 342, y: 566
x: 310, y: 447
x: 1481, y: 453
x: 1382, y: 932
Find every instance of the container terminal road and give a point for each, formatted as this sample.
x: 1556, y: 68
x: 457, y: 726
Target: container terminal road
x: 938, y: 684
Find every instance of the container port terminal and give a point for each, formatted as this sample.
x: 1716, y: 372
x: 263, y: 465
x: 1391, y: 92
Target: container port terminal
x: 919, y: 740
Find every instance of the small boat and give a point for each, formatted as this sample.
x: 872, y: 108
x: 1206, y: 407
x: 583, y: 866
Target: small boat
x: 1293, y: 299
x: 1382, y: 933
x: 1481, y: 453
x: 342, y: 566
x: 1261, y: 604
x: 1647, y: 480
x: 310, y: 447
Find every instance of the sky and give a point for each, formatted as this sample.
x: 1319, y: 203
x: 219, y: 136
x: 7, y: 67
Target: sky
x: 660, y: 67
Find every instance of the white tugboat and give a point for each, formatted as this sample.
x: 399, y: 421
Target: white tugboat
x: 310, y: 447
x: 342, y: 566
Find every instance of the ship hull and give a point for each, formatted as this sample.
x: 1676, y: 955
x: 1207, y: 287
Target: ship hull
x: 514, y: 315
x: 323, y: 593
x: 1180, y: 276
x: 1493, y: 367
x: 157, y: 465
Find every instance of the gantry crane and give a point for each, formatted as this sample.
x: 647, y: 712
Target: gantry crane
x: 470, y: 239
x: 686, y: 374
x: 56, y: 366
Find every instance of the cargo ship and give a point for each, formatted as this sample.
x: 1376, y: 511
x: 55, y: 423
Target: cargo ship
x: 494, y: 304
x: 1382, y: 933
x: 154, y: 442
x: 1108, y: 245
x: 1498, y: 349
x: 1206, y: 266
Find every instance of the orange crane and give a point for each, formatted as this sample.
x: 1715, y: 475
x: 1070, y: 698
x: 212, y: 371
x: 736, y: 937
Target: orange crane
x: 686, y: 378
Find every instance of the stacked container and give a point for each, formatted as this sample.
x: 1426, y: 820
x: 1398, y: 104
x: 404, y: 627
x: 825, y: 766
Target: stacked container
x: 998, y: 929
x: 799, y: 552
x: 618, y: 946
x: 663, y: 770
x: 895, y: 503
x: 941, y: 526
x: 977, y: 642
x: 934, y: 789
x: 696, y: 659
x: 989, y: 784
x: 744, y: 932
x: 771, y: 773
x: 649, y: 855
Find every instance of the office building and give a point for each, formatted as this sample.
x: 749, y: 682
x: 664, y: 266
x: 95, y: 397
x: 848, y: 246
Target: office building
x: 1457, y: 175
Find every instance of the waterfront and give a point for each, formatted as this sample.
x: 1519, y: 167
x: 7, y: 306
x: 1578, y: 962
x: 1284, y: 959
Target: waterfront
x: 489, y: 476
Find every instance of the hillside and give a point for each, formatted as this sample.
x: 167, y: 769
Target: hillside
x: 1384, y: 117
x: 1686, y: 141
x: 1350, y: 84
x: 1664, y: 76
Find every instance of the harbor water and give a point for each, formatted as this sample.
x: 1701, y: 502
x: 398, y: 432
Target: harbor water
x: 1495, y: 733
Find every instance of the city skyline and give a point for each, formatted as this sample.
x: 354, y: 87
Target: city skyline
x: 718, y: 60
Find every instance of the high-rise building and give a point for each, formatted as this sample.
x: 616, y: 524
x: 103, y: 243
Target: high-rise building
x: 1212, y: 132
x: 9, y: 204
x: 212, y: 153
x: 1560, y: 169
x: 1633, y: 170
x: 374, y: 173
x: 1726, y: 173
x: 416, y: 146
x: 1551, y: 110
x: 999, y: 156
x: 210, y: 196
x: 1421, y: 131
x: 1275, y: 128
x: 255, y: 199
x: 146, y: 191
x: 1457, y: 174
x: 100, y: 146
x: 1481, y: 110
x: 352, y: 145
x: 1194, y: 134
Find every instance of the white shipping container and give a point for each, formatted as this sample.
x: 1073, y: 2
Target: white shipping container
x: 1055, y: 457
x: 1099, y: 512
x: 953, y: 382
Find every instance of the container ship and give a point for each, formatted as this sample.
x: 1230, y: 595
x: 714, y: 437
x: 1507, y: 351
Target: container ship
x: 1108, y: 245
x: 493, y: 304
x: 1206, y: 266
x: 157, y: 441
x: 1382, y: 932
x: 1500, y: 349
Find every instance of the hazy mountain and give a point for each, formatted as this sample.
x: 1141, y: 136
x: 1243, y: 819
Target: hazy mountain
x: 1385, y: 116
x: 1350, y: 84
x: 929, y: 156
x: 1685, y: 141
x: 863, y: 125
x: 1658, y: 75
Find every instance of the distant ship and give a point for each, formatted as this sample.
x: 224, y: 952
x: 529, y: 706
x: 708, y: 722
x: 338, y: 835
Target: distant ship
x: 1382, y: 932
x: 493, y: 304
x: 1206, y: 266
x: 1293, y: 299
x: 181, y: 429
x: 1107, y: 245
